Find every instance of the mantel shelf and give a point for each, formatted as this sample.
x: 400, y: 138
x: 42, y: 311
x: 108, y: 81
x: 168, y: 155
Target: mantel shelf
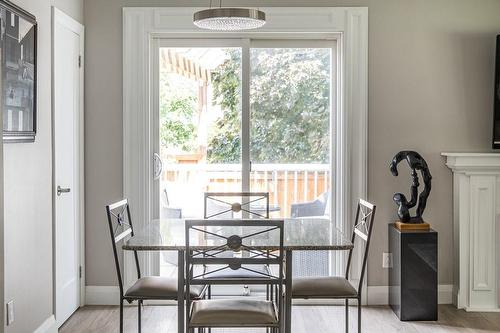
x: 473, y: 162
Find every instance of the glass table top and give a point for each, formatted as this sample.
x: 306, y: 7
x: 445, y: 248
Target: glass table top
x: 299, y: 234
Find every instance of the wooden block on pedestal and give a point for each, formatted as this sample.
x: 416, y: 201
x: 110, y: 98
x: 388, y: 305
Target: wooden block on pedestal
x: 412, y: 226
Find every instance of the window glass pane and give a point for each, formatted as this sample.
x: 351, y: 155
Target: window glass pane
x: 200, y: 125
x: 290, y: 133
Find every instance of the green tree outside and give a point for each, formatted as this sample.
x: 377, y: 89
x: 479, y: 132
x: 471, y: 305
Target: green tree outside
x: 290, y: 103
x: 177, y: 111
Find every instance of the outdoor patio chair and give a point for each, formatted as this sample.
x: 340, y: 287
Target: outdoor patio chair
x: 317, y: 207
x: 167, y: 210
x: 311, y: 263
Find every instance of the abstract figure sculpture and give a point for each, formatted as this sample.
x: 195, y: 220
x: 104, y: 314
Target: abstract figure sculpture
x: 416, y: 163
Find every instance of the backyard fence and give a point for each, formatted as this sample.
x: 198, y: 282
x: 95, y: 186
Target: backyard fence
x: 286, y: 183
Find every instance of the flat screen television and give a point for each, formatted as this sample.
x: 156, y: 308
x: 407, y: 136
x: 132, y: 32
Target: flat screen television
x: 496, y: 102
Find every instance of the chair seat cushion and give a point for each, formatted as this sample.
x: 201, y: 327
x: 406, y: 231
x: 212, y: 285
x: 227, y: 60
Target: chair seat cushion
x: 232, y: 312
x: 317, y: 287
x: 157, y: 287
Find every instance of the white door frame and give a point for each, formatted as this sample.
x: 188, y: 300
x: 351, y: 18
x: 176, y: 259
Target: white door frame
x: 59, y: 17
x: 142, y: 25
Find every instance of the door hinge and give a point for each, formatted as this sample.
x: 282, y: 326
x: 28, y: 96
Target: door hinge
x: 80, y: 270
x: 79, y: 61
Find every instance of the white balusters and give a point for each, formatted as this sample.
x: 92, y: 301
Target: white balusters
x: 295, y: 186
x: 305, y: 181
x: 275, y: 182
x: 315, y: 183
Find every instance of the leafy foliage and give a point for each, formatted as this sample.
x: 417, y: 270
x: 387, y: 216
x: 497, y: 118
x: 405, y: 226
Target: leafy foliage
x: 177, y: 129
x: 290, y: 102
x: 224, y: 142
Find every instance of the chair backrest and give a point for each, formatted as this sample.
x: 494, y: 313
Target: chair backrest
x: 362, y: 230
x: 221, y: 205
x: 240, y: 236
x: 120, y: 227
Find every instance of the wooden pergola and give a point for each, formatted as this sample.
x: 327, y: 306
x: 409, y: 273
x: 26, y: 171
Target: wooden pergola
x: 172, y: 62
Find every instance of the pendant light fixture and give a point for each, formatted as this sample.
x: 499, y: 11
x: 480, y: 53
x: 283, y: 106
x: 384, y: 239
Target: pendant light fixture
x: 229, y: 19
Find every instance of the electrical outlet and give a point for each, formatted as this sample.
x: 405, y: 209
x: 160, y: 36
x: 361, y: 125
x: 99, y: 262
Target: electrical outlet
x: 10, y: 312
x: 386, y: 260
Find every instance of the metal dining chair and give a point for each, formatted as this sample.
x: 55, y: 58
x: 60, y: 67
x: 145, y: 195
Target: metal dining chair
x: 234, y: 236
x: 147, y: 287
x: 338, y: 287
x: 223, y: 205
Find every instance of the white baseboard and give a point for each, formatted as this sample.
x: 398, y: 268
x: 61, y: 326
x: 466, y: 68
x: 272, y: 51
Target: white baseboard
x: 102, y: 295
x: 379, y: 295
x: 48, y: 326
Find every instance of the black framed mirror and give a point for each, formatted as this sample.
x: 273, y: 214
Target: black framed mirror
x: 18, y: 56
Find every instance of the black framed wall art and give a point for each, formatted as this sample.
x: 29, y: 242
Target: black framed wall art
x: 18, y: 44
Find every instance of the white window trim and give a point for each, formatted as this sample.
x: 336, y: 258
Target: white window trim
x: 142, y: 25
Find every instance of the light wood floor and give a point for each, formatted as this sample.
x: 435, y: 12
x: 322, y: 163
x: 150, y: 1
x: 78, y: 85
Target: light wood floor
x: 306, y: 319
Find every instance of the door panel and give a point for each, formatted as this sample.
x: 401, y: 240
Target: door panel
x: 199, y: 126
x: 290, y: 127
x: 290, y: 135
x: 66, y: 169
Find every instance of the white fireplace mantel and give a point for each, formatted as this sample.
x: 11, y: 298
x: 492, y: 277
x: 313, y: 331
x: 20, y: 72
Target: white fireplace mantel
x: 476, y: 207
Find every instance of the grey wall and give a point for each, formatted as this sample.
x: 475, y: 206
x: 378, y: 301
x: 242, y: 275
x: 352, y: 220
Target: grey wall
x: 430, y: 89
x: 73, y: 8
x: 28, y: 193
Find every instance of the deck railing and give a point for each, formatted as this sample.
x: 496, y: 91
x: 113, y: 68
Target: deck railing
x: 286, y: 183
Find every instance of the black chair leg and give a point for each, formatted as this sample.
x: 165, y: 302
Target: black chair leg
x: 346, y: 315
x: 359, y: 315
x: 121, y: 315
x: 139, y: 306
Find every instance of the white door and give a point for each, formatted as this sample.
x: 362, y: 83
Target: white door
x: 67, y: 103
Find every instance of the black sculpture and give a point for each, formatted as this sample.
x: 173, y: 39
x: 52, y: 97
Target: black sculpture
x: 416, y: 163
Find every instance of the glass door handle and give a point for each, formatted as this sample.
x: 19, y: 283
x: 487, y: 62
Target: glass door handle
x: 61, y: 190
x: 157, y: 166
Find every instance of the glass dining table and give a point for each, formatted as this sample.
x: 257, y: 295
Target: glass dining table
x: 300, y: 234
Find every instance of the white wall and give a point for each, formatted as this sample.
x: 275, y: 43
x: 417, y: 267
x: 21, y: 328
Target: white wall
x: 430, y: 89
x: 28, y: 193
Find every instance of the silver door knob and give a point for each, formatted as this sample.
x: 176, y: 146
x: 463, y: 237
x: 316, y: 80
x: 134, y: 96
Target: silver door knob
x: 62, y: 190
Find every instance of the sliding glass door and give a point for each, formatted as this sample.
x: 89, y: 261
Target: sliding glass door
x: 244, y: 115
x: 290, y: 125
